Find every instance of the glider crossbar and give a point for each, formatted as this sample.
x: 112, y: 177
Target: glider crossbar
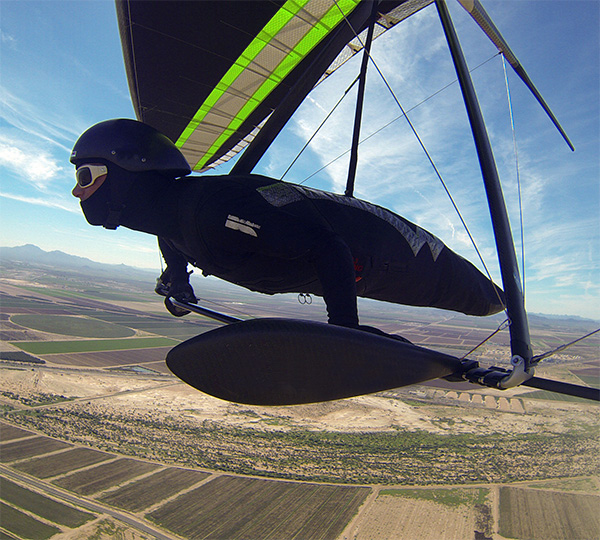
x: 497, y: 377
x: 211, y: 314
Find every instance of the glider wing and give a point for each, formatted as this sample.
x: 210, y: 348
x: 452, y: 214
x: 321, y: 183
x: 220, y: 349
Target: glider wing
x: 207, y: 74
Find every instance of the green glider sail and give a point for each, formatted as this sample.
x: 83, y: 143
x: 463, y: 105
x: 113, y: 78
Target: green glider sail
x: 207, y: 74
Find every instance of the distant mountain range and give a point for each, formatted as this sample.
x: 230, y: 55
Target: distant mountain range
x: 34, y: 255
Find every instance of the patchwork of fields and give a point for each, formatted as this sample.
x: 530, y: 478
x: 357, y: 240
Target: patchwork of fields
x: 191, y: 503
x: 108, y: 336
x: 98, y: 469
x: 80, y: 486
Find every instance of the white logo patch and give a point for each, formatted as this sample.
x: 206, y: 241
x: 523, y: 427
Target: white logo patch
x: 242, y: 225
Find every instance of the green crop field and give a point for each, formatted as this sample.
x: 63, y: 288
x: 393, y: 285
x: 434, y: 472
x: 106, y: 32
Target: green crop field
x: 42, y: 506
x: 70, y: 325
x: 93, y: 345
x: 448, y: 497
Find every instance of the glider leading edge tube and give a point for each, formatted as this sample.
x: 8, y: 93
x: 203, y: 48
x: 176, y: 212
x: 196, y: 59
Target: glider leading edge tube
x: 476, y: 10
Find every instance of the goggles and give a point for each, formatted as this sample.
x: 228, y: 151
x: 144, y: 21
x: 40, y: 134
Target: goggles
x: 87, y: 174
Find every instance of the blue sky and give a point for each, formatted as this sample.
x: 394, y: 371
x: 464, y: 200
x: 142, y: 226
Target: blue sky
x: 62, y: 71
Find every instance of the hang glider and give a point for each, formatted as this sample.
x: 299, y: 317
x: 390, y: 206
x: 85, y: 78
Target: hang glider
x: 218, y: 77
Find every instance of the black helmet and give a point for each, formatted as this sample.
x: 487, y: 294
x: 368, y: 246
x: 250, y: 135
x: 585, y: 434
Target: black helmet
x: 132, y: 145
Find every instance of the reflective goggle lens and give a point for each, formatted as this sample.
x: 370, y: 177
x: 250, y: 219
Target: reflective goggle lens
x: 87, y: 174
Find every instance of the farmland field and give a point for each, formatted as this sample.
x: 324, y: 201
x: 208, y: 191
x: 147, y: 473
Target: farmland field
x: 108, y: 359
x: 104, y: 476
x: 8, y: 432
x: 126, y: 433
x: 71, y: 325
x: 226, y: 506
x: 57, y: 464
x: 237, y: 508
x: 400, y: 517
x: 42, y: 506
x: 90, y: 345
x: 548, y: 515
x: 23, y: 525
x: 446, y: 497
x: 153, y: 489
x: 21, y: 449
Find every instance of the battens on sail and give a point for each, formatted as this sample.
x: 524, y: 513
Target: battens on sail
x: 481, y: 17
x: 281, y: 45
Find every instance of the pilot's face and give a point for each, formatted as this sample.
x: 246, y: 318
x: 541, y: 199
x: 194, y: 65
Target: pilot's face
x: 90, y: 177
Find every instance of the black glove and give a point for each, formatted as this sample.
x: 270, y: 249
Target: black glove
x: 177, y: 286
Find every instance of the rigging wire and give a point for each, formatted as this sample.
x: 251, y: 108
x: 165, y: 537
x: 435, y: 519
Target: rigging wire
x: 536, y: 359
x: 438, y: 174
x: 318, y: 129
x: 331, y: 162
x: 502, y: 326
x: 519, y: 191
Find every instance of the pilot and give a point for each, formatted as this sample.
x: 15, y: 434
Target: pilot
x: 264, y: 234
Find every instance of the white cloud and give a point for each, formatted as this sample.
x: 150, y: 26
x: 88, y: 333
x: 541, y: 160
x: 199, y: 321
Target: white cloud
x: 33, y: 165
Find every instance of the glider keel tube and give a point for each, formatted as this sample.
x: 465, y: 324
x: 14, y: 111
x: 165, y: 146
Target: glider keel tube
x: 503, y: 379
x: 288, y: 362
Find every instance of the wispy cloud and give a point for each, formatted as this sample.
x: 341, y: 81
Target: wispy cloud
x: 50, y: 202
x: 38, y: 123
